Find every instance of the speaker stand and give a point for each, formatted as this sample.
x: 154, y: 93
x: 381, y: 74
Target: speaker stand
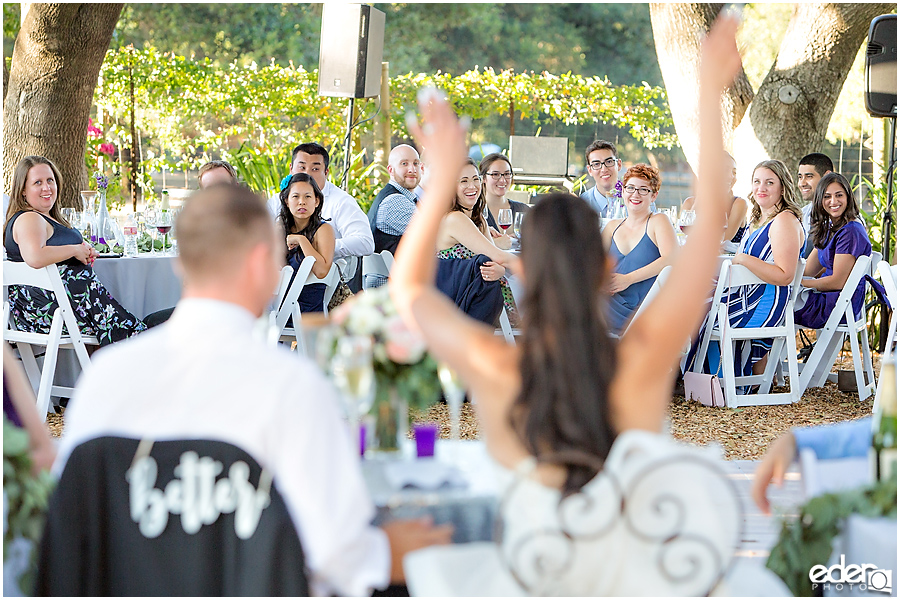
x: 345, y: 178
x: 887, y: 223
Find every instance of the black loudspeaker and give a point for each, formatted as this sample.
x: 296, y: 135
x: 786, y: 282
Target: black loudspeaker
x: 350, y: 50
x: 881, y: 67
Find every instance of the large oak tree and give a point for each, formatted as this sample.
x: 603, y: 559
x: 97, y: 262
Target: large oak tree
x: 788, y: 116
x: 55, y: 64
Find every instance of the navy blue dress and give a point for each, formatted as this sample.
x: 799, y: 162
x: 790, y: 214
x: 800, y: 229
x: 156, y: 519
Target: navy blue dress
x: 97, y: 312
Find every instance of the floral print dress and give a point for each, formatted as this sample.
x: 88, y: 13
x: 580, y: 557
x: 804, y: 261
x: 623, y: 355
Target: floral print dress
x: 97, y: 312
x: 460, y: 251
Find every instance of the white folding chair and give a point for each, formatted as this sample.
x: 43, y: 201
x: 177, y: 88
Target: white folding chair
x: 651, y: 294
x: 888, y: 275
x: 377, y: 264
x: 830, y: 339
x: 782, y: 335
x: 290, y: 306
x: 19, y: 273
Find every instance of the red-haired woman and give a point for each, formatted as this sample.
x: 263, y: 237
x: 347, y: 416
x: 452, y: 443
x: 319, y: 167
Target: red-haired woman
x: 641, y: 244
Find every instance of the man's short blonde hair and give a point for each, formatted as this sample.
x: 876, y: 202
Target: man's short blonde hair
x: 218, y: 164
x: 217, y: 226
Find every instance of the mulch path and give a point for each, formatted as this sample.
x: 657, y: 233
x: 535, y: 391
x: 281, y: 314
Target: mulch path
x: 744, y: 433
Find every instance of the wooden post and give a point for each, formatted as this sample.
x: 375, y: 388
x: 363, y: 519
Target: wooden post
x: 512, y: 117
x: 383, y: 130
x: 134, y: 144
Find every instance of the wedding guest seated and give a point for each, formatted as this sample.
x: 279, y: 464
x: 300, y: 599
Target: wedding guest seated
x: 216, y: 171
x: 36, y: 233
x: 464, y: 234
x: 497, y: 177
x: 306, y: 234
x: 838, y: 239
x: 353, y: 238
x: 771, y: 252
x: 204, y: 375
x: 735, y: 215
x: 568, y: 413
x: 641, y: 245
x: 840, y: 440
x: 811, y: 169
x: 603, y: 165
x: 395, y: 204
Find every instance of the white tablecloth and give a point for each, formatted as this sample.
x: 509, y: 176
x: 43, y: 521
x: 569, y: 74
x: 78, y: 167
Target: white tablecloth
x: 143, y: 285
x: 471, y: 509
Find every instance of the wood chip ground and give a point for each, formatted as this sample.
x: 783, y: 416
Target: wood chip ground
x: 743, y: 433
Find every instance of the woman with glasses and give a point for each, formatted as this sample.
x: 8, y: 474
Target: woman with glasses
x: 640, y: 243
x: 497, y: 176
x: 464, y: 233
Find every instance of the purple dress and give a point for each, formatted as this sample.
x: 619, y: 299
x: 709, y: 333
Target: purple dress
x: 850, y: 239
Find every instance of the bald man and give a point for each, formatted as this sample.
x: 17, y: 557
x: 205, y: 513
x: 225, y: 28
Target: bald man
x: 162, y: 385
x: 395, y: 204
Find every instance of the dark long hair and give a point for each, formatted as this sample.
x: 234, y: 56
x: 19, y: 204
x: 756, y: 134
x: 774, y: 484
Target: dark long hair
x: 567, y: 357
x: 478, y: 208
x: 820, y: 226
x: 315, y: 219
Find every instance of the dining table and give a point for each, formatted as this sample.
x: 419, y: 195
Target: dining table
x: 142, y: 285
x: 459, y: 485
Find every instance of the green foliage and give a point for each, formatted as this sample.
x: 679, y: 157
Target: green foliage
x: 807, y: 540
x: 191, y: 110
x: 27, y: 496
x: 260, y: 170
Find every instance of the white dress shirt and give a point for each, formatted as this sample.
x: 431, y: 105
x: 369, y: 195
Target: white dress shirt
x: 203, y: 375
x: 353, y: 236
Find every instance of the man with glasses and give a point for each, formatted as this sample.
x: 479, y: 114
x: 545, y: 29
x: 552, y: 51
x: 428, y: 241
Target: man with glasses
x: 603, y: 165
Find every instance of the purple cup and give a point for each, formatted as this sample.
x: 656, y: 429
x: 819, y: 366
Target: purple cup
x: 426, y: 434
x: 362, y: 439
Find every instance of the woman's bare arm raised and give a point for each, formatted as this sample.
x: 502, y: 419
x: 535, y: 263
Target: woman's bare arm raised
x: 653, y: 344
x: 451, y: 336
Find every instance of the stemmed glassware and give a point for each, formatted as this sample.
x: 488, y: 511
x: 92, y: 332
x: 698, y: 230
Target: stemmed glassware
x: 163, y: 224
x: 517, y: 228
x: 354, y: 375
x: 454, y: 392
x: 505, y: 218
x: 687, y: 219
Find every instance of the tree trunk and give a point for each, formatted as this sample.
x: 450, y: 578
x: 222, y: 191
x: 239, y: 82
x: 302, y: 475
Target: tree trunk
x: 55, y: 64
x: 789, y: 114
x: 677, y: 32
x: 799, y: 93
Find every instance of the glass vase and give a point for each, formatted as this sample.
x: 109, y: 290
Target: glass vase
x: 391, y: 420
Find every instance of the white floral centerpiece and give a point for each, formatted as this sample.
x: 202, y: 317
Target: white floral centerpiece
x: 404, y: 372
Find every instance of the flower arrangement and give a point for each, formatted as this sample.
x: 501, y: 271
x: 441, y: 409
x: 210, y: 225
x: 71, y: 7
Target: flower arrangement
x: 102, y: 182
x: 618, y: 193
x: 399, y: 358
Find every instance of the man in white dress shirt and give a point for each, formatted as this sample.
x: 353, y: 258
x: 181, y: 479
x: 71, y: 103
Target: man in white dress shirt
x: 351, y: 227
x: 205, y: 375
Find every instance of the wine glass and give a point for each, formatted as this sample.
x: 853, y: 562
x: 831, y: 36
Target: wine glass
x: 354, y: 375
x: 454, y: 392
x: 163, y: 225
x: 517, y: 228
x: 73, y: 216
x: 687, y: 219
x: 505, y: 218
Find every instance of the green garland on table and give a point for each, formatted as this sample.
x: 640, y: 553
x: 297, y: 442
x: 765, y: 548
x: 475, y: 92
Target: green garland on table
x: 26, y: 497
x: 806, y: 541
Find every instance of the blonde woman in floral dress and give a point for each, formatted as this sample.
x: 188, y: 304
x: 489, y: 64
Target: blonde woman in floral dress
x: 464, y: 233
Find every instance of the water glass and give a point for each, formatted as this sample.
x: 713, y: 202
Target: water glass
x: 425, y: 434
x: 354, y: 375
x: 454, y: 392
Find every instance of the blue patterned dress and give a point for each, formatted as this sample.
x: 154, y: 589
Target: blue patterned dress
x: 761, y: 305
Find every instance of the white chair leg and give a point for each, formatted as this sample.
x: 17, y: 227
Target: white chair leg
x: 49, y: 370
x: 506, y: 328
x: 29, y: 362
x: 727, y: 361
